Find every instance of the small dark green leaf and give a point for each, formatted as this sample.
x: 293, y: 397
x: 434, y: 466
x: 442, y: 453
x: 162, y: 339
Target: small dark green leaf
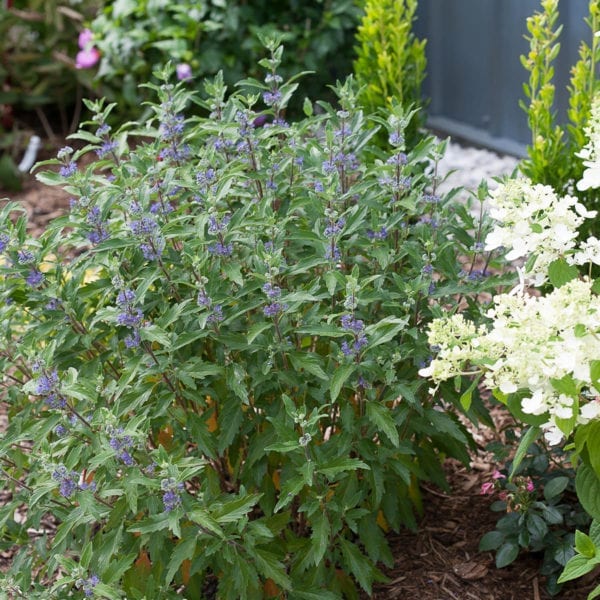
x: 492, y: 540
x: 555, y: 487
x: 506, y: 554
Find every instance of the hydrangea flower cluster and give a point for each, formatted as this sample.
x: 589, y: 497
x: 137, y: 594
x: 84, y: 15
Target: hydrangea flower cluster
x: 533, y: 343
x: 533, y: 221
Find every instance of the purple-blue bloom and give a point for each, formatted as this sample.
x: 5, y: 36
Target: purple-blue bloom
x: 106, y: 148
x: 34, y: 278
x: 4, y: 240
x: 351, y: 323
x: 335, y: 227
x: 47, y: 383
x: 68, y: 169
x: 172, y: 493
x: 221, y: 249
x: 274, y: 309
x: 67, y: 480
x: 25, y: 257
x: 272, y: 291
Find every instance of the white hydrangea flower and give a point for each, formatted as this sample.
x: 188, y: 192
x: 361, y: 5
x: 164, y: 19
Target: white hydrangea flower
x: 532, y: 340
x: 590, y: 153
x: 533, y: 221
x: 588, y: 252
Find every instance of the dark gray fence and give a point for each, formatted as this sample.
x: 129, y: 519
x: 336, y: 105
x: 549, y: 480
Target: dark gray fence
x: 474, y: 73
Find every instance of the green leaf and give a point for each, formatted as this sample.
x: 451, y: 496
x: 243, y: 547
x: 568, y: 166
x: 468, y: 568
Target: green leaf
x: 234, y: 510
x: 340, y: 377
x: 560, y: 272
x: 271, y: 567
x: 307, y: 362
x: 357, y: 564
x: 492, y: 540
x: 506, y: 554
x: 587, y: 485
x: 380, y: 416
x: 536, y: 526
x: 594, y: 593
x: 595, y: 371
x: 307, y: 107
x: 532, y: 434
x: 233, y: 271
x: 321, y: 531
x: 184, y: 550
x: 584, y: 545
x: 577, y: 567
x: 151, y: 524
x: 339, y: 465
x: 555, y: 487
x: 230, y: 419
x: 465, y: 399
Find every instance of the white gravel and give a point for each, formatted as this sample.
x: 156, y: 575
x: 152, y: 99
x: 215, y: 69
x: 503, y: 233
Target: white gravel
x: 470, y: 165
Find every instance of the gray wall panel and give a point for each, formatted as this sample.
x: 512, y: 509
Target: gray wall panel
x: 474, y: 75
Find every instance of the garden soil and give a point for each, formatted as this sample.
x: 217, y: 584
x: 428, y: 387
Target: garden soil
x: 439, y: 561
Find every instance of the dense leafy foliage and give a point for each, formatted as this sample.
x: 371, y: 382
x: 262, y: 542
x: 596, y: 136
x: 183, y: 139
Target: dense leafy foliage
x: 135, y: 37
x: 391, y: 63
x: 554, y: 155
x: 210, y: 364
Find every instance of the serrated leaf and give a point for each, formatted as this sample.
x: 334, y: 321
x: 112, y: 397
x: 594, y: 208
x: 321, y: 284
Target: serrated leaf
x: 234, y: 510
x: 151, y: 524
x: 272, y: 568
x: 229, y: 420
x: 561, y: 272
x: 339, y: 465
x: 380, y: 416
x: 321, y: 530
x: 184, y: 550
x: 340, y: 376
x: 308, y: 362
x: 357, y: 564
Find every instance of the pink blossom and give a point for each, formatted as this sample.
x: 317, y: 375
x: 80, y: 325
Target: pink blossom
x: 87, y: 58
x: 530, y: 486
x: 184, y: 71
x: 85, y: 38
x: 497, y: 475
x: 487, y: 488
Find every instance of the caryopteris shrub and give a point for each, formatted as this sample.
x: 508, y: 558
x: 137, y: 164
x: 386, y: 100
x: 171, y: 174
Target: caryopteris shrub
x: 210, y: 364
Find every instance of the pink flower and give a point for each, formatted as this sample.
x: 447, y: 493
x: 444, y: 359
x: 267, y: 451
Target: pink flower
x: 530, y: 486
x: 184, y: 71
x: 487, y: 489
x: 85, y: 38
x: 497, y: 475
x: 86, y: 59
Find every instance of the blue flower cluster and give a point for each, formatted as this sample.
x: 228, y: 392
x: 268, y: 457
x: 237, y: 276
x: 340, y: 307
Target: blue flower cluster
x: 130, y: 316
x: 69, y: 481
x: 171, y: 494
x: 356, y: 327
x: 87, y: 585
x: 121, y: 443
